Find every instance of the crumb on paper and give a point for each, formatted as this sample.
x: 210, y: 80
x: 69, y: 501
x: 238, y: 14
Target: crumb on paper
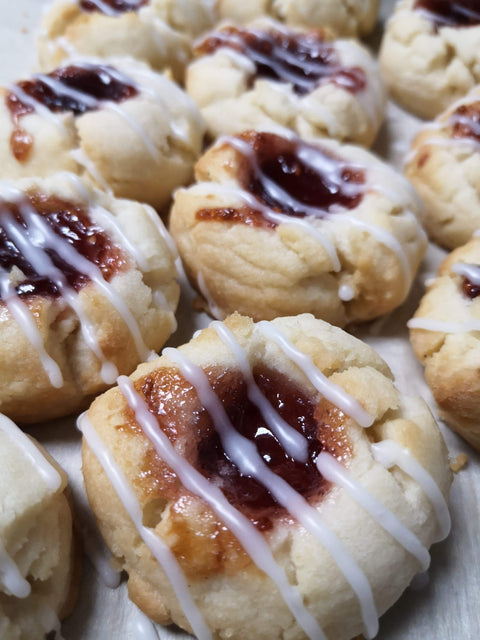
x: 457, y: 464
x: 24, y: 30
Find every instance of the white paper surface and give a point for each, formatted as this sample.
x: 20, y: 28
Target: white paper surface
x: 447, y: 608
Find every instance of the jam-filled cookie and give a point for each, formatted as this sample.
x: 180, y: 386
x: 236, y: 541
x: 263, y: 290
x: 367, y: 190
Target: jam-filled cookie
x: 38, y: 565
x: 128, y: 128
x: 429, y: 53
x: 265, y: 75
x: 159, y: 32
x: 87, y: 291
x: 344, y: 17
x: 279, y: 226
x: 445, y: 337
x: 444, y: 166
x: 266, y: 481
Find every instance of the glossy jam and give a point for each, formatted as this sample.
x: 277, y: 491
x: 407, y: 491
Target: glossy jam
x: 118, y: 6
x: 303, y: 59
x: 190, y: 427
x: 96, y: 81
x: 452, y: 13
x: 465, y: 121
x: 470, y: 289
x: 73, y: 225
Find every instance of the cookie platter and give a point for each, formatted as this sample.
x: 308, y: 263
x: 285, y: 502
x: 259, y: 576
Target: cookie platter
x: 442, y: 605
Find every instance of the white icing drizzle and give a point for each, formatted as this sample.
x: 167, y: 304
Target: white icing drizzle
x: 387, y: 239
x: 143, y: 627
x: 84, y: 161
x: 241, y: 527
x: 10, y: 576
x: 470, y: 271
x: 159, y: 549
x: 49, y: 474
x: 24, y: 318
x: 245, y: 456
x: 292, y: 441
x: 213, y: 308
x: 331, y: 391
x: 105, y: 8
x: 346, y: 293
x: 430, y: 324
x: 389, y: 454
x: 334, y: 472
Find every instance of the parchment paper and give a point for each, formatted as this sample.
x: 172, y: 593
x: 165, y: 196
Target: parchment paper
x: 447, y: 608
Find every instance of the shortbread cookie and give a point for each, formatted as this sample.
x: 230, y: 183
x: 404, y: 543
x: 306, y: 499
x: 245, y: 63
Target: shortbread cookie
x: 277, y: 226
x: 444, y: 166
x: 126, y: 127
x: 159, y: 32
x: 275, y: 473
x: 429, y: 53
x: 37, y: 565
x: 445, y: 337
x: 87, y: 290
x: 265, y: 75
x: 345, y: 17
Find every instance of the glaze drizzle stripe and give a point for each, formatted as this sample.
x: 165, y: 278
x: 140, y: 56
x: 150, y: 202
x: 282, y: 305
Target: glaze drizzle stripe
x: 24, y: 318
x: 10, y: 575
x: 292, y: 441
x: 245, y: 532
x: 334, y: 472
x: 389, y: 454
x: 244, y: 454
x: 158, y: 548
x: 331, y: 391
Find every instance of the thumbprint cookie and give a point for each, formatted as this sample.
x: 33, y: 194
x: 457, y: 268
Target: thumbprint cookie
x: 429, y: 53
x: 278, y: 226
x: 344, y: 17
x: 265, y: 75
x: 266, y: 481
x: 444, y: 333
x: 128, y: 128
x: 38, y: 565
x: 87, y: 291
x: 159, y: 32
x: 444, y: 167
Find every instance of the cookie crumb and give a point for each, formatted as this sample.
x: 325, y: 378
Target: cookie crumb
x: 457, y: 464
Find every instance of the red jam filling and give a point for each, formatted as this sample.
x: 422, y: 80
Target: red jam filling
x: 303, y: 59
x: 72, y: 225
x: 186, y: 421
x: 293, y: 178
x: 95, y: 82
x: 119, y: 6
x: 470, y: 289
x: 465, y: 121
x: 451, y: 13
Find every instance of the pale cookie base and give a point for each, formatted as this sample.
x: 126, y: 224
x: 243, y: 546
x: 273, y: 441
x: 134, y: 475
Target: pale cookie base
x: 142, y: 149
x: 220, y: 85
x: 36, y: 531
x: 159, y: 34
x: 427, y: 70
x: 240, y: 602
x: 444, y: 171
x: 452, y: 360
x: 345, y: 17
x: 267, y: 273
x: 27, y: 394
